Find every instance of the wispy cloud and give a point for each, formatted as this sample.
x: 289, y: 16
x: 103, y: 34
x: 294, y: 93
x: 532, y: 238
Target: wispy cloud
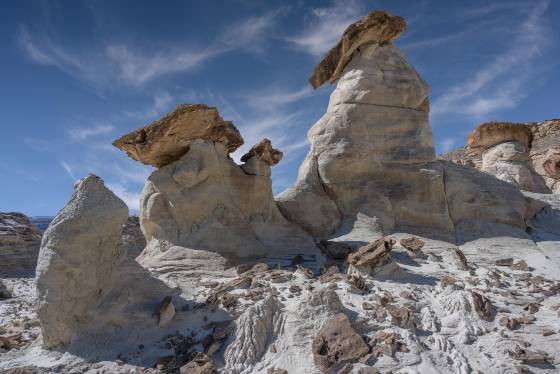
x: 161, y: 102
x: 326, y: 26
x: 502, y: 83
x: 134, y: 65
x: 69, y: 170
x: 130, y: 198
x: 82, y: 133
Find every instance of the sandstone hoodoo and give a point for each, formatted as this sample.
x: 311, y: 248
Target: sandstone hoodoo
x: 372, y: 170
x: 526, y: 155
x: 200, y: 198
x: 19, y: 244
x: 170, y: 137
x: 87, y: 285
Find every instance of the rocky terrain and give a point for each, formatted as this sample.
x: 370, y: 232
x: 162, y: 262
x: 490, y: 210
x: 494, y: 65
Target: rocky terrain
x: 526, y: 155
x: 19, y: 244
x: 380, y: 259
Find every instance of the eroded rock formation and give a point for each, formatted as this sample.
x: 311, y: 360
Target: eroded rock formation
x: 200, y: 198
x: 169, y: 138
x: 526, y: 155
x: 87, y: 286
x: 372, y: 169
x: 19, y: 244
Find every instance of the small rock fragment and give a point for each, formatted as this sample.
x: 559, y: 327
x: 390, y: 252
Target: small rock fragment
x: 413, y: 244
x: 504, y: 262
x: 165, y: 311
x: 520, y: 265
x: 482, y: 306
x: 200, y: 364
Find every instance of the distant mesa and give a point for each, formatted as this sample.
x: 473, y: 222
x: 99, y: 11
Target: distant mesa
x: 167, y: 139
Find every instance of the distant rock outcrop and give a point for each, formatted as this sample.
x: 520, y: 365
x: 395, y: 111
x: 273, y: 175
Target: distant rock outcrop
x: 170, y: 137
x: 132, y: 238
x: 87, y: 286
x: 526, y: 155
x: 19, y: 244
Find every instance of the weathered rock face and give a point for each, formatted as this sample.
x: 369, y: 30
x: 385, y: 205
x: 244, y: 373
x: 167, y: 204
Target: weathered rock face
x: 170, y: 137
x: 377, y: 27
x: 19, y: 244
x: 207, y: 202
x: 86, y: 284
x: 526, y: 155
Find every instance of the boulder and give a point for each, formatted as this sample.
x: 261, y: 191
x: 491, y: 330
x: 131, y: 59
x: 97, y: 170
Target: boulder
x: 377, y: 27
x: 87, y: 287
x: 263, y: 151
x: 336, y: 343
x: 371, y: 255
x: 19, y: 244
x: 167, y: 139
x: 206, y: 201
x: 412, y: 243
x: 200, y: 364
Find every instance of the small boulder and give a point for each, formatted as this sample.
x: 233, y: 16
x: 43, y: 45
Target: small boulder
x: 413, y: 244
x: 263, y: 151
x: 372, y: 255
x: 336, y: 343
x: 482, y: 305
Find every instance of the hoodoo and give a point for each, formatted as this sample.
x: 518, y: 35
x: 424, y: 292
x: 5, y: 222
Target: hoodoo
x: 372, y: 168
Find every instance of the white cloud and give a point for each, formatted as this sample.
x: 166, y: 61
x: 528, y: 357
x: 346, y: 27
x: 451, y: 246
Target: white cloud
x: 326, y: 26
x: 82, y: 133
x: 274, y: 99
x: 119, y: 62
x: 160, y: 102
x: 69, y: 170
x: 130, y: 198
x: 502, y: 83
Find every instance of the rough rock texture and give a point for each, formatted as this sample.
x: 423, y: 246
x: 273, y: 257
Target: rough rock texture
x: 371, y: 255
x: 263, y: 151
x: 371, y: 170
x: 86, y: 284
x: 132, y: 237
x: 377, y: 27
x: 491, y: 134
x: 170, y: 137
x: 19, y: 244
x: 253, y: 331
x: 526, y: 155
x: 337, y: 342
x: 207, y: 202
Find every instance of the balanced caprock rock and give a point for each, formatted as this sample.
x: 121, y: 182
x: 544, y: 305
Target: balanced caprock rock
x: 203, y: 200
x: 372, y: 168
x: 88, y: 288
x: 526, y: 155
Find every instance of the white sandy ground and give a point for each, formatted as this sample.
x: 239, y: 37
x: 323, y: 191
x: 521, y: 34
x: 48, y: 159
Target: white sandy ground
x: 449, y: 337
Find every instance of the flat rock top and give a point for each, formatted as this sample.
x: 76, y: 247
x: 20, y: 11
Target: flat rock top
x: 167, y: 139
x: 377, y: 27
x: 490, y: 134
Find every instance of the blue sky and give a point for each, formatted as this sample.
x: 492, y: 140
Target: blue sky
x: 75, y: 75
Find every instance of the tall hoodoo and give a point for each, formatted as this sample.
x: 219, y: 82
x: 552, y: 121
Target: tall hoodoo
x: 371, y: 169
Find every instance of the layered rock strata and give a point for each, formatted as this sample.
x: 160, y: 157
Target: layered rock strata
x: 372, y: 169
x: 87, y: 286
x: 19, y: 244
